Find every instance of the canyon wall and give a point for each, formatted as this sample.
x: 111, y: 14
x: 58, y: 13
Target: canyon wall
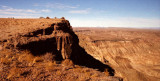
x: 133, y: 53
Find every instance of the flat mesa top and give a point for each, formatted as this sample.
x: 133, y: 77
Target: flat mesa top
x: 10, y: 27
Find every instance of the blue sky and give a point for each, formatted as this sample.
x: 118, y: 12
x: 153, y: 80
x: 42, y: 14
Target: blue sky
x: 88, y: 13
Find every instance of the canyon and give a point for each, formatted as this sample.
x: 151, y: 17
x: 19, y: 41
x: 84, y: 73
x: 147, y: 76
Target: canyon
x: 133, y: 53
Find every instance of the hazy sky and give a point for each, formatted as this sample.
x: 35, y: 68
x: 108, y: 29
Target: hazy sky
x: 89, y: 13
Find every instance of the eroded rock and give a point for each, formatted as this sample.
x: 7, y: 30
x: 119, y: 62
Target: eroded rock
x: 58, y: 35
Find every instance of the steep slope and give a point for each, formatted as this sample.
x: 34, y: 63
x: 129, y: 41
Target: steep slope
x: 133, y: 53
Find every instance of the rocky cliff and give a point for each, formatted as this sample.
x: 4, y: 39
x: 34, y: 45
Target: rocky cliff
x: 46, y: 49
x: 58, y: 31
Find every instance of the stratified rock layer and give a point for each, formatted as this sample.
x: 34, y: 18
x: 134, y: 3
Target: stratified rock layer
x: 133, y: 53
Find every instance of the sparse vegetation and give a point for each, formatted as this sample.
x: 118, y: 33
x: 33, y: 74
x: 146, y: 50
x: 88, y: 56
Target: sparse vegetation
x: 14, y: 72
x: 6, y: 60
x: 37, y: 59
x: 47, y: 17
x: 62, y: 18
x: 41, y: 17
x: 106, y: 72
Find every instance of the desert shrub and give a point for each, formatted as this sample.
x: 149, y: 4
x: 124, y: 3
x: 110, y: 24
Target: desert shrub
x: 95, y: 75
x: 62, y: 18
x: 58, y: 72
x: 41, y: 17
x: 5, y: 61
x: 14, y: 72
x: 49, y: 65
x: 47, y: 17
x: 26, y: 56
x: 67, y: 62
x: 37, y: 59
x: 106, y: 72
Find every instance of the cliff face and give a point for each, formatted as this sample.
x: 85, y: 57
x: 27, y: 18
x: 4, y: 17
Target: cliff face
x: 63, y: 39
x: 58, y: 31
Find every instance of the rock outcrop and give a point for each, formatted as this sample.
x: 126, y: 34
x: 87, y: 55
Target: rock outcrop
x: 59, y: 31
x: 63, y: 38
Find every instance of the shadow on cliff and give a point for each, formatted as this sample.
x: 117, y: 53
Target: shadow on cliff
x: 38, y: 48
x: 80, y: 57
